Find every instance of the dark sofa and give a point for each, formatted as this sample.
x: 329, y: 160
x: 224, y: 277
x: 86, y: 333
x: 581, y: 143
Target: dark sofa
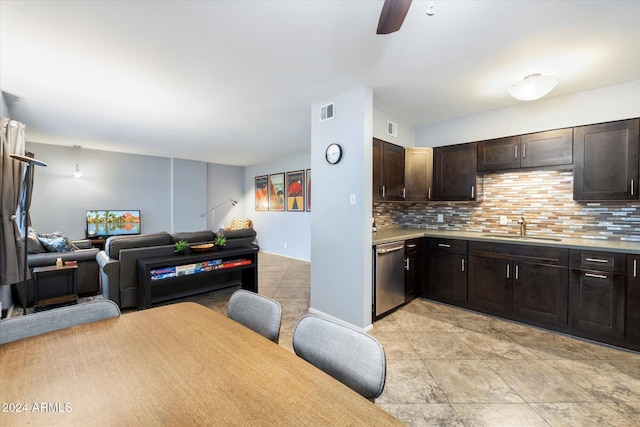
x: 88, y: 274
x: 118, y: 262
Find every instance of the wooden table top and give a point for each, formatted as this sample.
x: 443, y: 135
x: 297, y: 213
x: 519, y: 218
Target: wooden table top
x: 180, y: 364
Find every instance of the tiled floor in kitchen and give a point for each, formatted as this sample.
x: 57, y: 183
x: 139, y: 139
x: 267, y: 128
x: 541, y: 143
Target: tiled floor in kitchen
x: 452, y: 367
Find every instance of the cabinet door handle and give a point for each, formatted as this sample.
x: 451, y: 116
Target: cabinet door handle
x: 404, y: 196
x: 632, y: 187
x: 443, y: 245
x: 383, y: 191
x: 473, y: 191
x: 516, y: 271
x: 429, y: 194
x: 515, y: 154
x: 524, y: 150
x: 604, y: 261
x: 635, y: 270
x: 463, y: 264
x: 507, y: 271
x: 411, y: 245
x: 595, y: 276
x: 406, y: 264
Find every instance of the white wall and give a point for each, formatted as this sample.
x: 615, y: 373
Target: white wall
x: 4, y: 109
x: 599, y: 105
x: 277, y: 229
x: 405, y: 136
x: 224, y: 182
x: 341, y: 232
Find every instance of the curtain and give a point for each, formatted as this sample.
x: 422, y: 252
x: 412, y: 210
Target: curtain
x: 12, y: 141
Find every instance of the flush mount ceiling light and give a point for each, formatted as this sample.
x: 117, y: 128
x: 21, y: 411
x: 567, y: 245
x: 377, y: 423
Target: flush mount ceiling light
x: 532, y: 87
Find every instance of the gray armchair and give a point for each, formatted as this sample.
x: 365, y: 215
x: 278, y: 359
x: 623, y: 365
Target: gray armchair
x: 350, y: 356
x: 29, y: 325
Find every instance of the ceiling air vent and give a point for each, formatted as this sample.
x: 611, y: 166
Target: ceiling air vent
x: 392, y: 129
x: 326, y: 112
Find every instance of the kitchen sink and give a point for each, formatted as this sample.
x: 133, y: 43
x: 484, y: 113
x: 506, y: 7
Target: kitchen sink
x: 519, y: 237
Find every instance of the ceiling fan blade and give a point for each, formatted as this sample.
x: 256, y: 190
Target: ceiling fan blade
x: 392, y: 15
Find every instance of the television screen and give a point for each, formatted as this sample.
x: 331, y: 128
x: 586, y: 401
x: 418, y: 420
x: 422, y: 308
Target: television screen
x: 105, y: 223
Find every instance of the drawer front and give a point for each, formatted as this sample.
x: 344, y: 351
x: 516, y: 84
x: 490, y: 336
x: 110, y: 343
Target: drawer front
x: 599, y: 261
x: 453, y: 246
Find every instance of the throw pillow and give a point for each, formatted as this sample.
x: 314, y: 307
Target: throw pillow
x: 240, y: 223
x: 33, y: 244
x: 56, y: 242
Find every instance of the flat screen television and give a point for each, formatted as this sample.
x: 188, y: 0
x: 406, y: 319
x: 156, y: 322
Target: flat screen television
x: 105, y: 223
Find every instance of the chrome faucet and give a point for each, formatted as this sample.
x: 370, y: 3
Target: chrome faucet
x: 523, y: 227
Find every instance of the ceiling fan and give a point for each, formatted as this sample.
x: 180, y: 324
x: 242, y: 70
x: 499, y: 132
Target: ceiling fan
x: 392, y: 15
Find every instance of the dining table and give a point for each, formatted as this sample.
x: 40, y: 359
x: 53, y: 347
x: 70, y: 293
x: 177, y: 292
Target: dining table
x: 179, y: 364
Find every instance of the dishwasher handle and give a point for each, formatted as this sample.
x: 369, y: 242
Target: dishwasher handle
x: 386, y: 251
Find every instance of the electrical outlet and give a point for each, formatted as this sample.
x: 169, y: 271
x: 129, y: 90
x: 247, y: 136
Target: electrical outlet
x: 352, y: 199
x: 440, y: 218
x: 503, y: 220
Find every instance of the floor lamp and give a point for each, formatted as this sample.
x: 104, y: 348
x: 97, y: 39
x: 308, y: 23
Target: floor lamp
x: 233, y: 203
x: 30, y: 161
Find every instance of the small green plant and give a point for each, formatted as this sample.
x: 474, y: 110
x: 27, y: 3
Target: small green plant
x: 181, y: 246
x: 220, y: 240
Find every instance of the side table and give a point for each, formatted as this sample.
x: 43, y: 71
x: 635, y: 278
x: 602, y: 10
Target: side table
x: 48, y: 281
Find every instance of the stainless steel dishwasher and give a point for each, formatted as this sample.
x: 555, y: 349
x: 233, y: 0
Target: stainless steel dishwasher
x: 388, y: 289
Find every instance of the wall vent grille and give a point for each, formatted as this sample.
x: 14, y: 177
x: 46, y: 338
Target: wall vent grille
x: 392, y: 129
x: 327, y: 112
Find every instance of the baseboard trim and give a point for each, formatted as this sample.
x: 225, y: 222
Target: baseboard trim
x: 340, y: 321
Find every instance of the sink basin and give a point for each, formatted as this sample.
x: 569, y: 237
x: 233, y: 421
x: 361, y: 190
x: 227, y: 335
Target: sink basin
x: 519, y: 237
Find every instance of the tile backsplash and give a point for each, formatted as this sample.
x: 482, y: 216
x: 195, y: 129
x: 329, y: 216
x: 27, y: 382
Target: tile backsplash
x: 543, y: 197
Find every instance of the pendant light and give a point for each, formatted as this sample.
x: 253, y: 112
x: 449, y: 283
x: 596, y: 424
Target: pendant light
x: 77, y: 173
x: 534, y: 86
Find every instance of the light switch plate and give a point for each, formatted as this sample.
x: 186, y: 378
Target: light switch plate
x: 440, y: 218
x: 352, y: 199
x: 503, y: 220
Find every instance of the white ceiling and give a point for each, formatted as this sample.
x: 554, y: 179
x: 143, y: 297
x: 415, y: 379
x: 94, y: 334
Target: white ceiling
x: 232, y: 82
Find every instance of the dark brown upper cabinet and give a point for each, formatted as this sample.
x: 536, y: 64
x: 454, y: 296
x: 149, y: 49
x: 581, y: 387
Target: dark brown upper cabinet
x: 606, y: 161
x: 455, y: 172
x: 418, y: 173
x: 541, y: 149
x: 388, y: 171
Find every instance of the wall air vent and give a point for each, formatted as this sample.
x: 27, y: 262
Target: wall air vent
x: 327, y: 112
x: 392, y: 129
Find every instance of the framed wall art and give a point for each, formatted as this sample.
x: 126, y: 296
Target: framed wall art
x: 295, y: 191
x: 276, y: 192
x: 262, y: 194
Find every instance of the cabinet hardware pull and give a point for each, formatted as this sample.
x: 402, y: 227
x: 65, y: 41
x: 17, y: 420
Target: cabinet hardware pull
x: 429, y: 194
x: 473, y: 191
x: 463, y: 264
x: 516, y: 271
x: 411, y: 246
x: 515, y: 154
x: 507, y: 271
x: 632, y: 187
x: 383, y: 191
x: 597, y: 260
x: 524, y: 150
x: 406, y: 264
x: 635, y: 270
x: 404, y: 196
x: 443, y: 245
x: 597, y: 276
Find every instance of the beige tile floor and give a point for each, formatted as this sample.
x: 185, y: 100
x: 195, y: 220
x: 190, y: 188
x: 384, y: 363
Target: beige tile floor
x: 452, y: 367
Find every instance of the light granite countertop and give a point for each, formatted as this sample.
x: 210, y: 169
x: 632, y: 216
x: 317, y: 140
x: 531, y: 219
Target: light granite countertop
x: 396, y: 234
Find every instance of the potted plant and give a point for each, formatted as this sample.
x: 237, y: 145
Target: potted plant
x: 220, y: 241
x: 181, y: 247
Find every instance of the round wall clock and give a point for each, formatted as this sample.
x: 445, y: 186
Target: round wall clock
x: 333, y: 153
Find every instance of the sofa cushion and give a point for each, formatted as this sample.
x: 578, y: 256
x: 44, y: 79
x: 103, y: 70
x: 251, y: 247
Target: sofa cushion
x: 194, y: 236
x: 238, y: 234
x: 114, y: 244
x: 56, y: 242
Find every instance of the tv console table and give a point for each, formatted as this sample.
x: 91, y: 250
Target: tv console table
x: 163, y: 278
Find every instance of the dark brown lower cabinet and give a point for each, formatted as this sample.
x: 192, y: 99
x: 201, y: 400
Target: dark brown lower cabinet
x: 597, y: 287
x: 633, y: 300
x: 446, y: 271
x: 526, y: 283
x: 412, y: 276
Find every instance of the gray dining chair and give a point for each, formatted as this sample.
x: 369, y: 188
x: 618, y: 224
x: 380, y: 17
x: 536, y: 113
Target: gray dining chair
x: 256, y: 312
x: 350, y: 356
x: 54, y: 319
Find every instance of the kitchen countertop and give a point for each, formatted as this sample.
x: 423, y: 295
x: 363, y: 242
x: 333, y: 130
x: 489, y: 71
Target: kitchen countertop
x: 395, y: 234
